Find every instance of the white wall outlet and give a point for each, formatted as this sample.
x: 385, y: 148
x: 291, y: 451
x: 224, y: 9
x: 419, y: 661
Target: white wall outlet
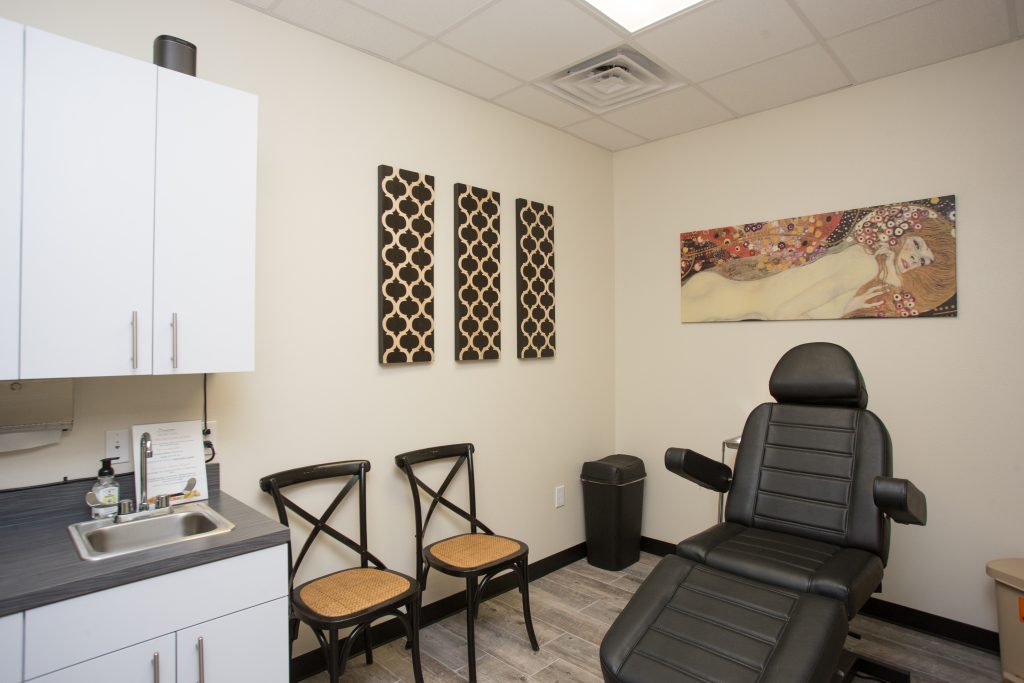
x: 560, y: 495
x: 119, y: 448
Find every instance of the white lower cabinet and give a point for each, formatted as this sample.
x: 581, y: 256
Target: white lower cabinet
x: 11, y: 632
x: 148, y: 662
x: 238, y: 607
x: 245, y: 646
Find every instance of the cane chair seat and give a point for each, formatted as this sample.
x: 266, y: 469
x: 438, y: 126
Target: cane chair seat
x: 471, y: 551
x: 351, y: 598
x: 350, y: 591
x: 477, y: 556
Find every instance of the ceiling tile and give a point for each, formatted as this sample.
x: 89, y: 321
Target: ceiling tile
x: 531, y: 38
x: 939, y: 31
x: 346, y: 23
x: 675, y: 112
x: 803, y: 73
x: 725, y: 35
x: 431, y: 17
x: 537, y: 104
x: 604, y: 134
x: 832, y: 17
x: 259, y: 4
x: 448, y: 66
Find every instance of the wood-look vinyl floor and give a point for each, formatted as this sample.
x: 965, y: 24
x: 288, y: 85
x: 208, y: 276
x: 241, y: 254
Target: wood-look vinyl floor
x: 574, y: 606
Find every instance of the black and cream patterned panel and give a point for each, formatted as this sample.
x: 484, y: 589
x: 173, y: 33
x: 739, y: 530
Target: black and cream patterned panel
x: 405, y: 205
x: 477, y: 273
x: 535, y: 279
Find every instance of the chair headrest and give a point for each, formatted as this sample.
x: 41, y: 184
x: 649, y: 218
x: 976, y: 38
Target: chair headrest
x: 818, y: 373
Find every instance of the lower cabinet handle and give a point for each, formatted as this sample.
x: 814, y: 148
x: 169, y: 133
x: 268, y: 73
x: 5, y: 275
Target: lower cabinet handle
x: 135, y: 340
x: 202, y: 663
x: 156, y: 667
x: 174, y: 340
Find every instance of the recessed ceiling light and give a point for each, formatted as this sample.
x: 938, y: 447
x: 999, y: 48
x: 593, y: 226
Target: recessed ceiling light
x: 634, y: 15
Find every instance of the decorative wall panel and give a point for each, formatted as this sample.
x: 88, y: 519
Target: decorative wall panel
x: 405, y: 206
x: 477, y: 273
x: 889, y: 261
x: 535, y: 279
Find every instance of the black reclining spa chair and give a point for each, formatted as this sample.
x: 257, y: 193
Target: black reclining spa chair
x: 803, y: 545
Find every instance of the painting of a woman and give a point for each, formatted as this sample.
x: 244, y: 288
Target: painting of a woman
x: 897, y: 260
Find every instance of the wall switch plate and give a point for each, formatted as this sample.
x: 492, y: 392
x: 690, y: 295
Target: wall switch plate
x: 119, y: 450
x: 560, y: 495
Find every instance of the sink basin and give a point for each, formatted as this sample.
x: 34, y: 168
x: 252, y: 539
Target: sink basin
x: 102, y: 538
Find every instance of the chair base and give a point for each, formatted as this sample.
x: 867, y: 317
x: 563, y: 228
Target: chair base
x: 851, y: 664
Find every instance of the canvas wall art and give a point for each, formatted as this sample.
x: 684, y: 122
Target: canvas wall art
x: 405, y: 206
x: 477, y: 273
x: 535, y: 279
x: 889, y: 261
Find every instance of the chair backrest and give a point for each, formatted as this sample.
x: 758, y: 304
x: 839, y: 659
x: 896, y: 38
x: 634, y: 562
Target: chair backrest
x: 461, y: 454
x: 806, y: 464
x: 355, y: 471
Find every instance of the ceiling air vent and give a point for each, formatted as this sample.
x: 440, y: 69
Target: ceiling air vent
x: 611, y: 80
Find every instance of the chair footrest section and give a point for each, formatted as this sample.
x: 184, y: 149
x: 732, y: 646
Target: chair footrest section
x: 690, y: 623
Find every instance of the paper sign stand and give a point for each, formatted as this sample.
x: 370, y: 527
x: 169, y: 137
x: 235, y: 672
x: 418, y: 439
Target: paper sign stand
x: 178, y: 455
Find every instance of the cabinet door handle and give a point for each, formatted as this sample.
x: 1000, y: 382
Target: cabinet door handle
x: 135, y: 340
x: 156, y: 667
x: 174, y: 340
x: 202, y: 663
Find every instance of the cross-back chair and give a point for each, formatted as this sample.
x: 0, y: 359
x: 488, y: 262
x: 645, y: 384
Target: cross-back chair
x: 353, y: 597
x: 477, y: 556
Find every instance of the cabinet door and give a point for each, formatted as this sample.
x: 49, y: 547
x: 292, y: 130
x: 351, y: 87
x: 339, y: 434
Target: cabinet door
x: 204, y: 265
x: 250, y: 646
x: 148, y: 662
x: 87, y: 227
x: 11, y: 69
x: 12, y: 630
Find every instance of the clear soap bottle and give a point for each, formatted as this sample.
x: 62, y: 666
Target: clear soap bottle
x: 106, y: 490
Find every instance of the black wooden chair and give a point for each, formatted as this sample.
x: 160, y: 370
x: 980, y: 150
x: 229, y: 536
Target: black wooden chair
x: 351, y: 597
x: 477, y: 556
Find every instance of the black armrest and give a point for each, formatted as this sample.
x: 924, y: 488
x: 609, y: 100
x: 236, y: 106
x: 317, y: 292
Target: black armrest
x: 901, y: 500
x: 699, y: 469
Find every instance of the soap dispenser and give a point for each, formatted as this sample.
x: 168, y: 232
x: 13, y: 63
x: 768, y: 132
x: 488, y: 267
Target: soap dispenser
x: 105, y: 492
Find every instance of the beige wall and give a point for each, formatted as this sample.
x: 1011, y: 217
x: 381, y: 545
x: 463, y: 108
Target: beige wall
x: 947, y: 389
x: 328, y: 116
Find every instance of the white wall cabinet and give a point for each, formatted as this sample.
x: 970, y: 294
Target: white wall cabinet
x: 11, y: 632
x: 204, y: 259
x: 238, y: 606
x: 11, y: 72
x: 137, y: 194
x: 87, y: 238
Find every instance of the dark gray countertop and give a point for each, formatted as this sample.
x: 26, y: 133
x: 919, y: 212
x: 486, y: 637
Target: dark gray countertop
x: 39, y: 564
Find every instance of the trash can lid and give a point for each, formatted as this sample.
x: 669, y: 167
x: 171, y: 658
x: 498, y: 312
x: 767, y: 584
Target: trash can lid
x: 1009, y: 571
x: 614, y: 469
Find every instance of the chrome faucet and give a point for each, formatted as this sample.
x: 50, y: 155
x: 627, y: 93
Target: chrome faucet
x: 145, y: 453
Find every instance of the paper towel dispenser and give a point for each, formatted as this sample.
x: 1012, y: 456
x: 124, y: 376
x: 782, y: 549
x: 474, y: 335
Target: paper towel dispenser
x: 35, y: 412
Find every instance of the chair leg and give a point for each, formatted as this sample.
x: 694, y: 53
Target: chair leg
x: 332, y: 659
x: 470, y: 644
x: 368, y: 645
x: 414, y: 608
x: 522, y: 573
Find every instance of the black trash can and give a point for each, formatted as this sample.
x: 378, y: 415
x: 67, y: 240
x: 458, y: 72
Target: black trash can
x: 613, y: 500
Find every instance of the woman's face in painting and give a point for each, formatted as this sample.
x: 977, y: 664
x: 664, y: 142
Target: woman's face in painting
x: 913, y: 254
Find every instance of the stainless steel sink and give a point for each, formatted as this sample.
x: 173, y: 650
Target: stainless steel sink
x: 103, y: 538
